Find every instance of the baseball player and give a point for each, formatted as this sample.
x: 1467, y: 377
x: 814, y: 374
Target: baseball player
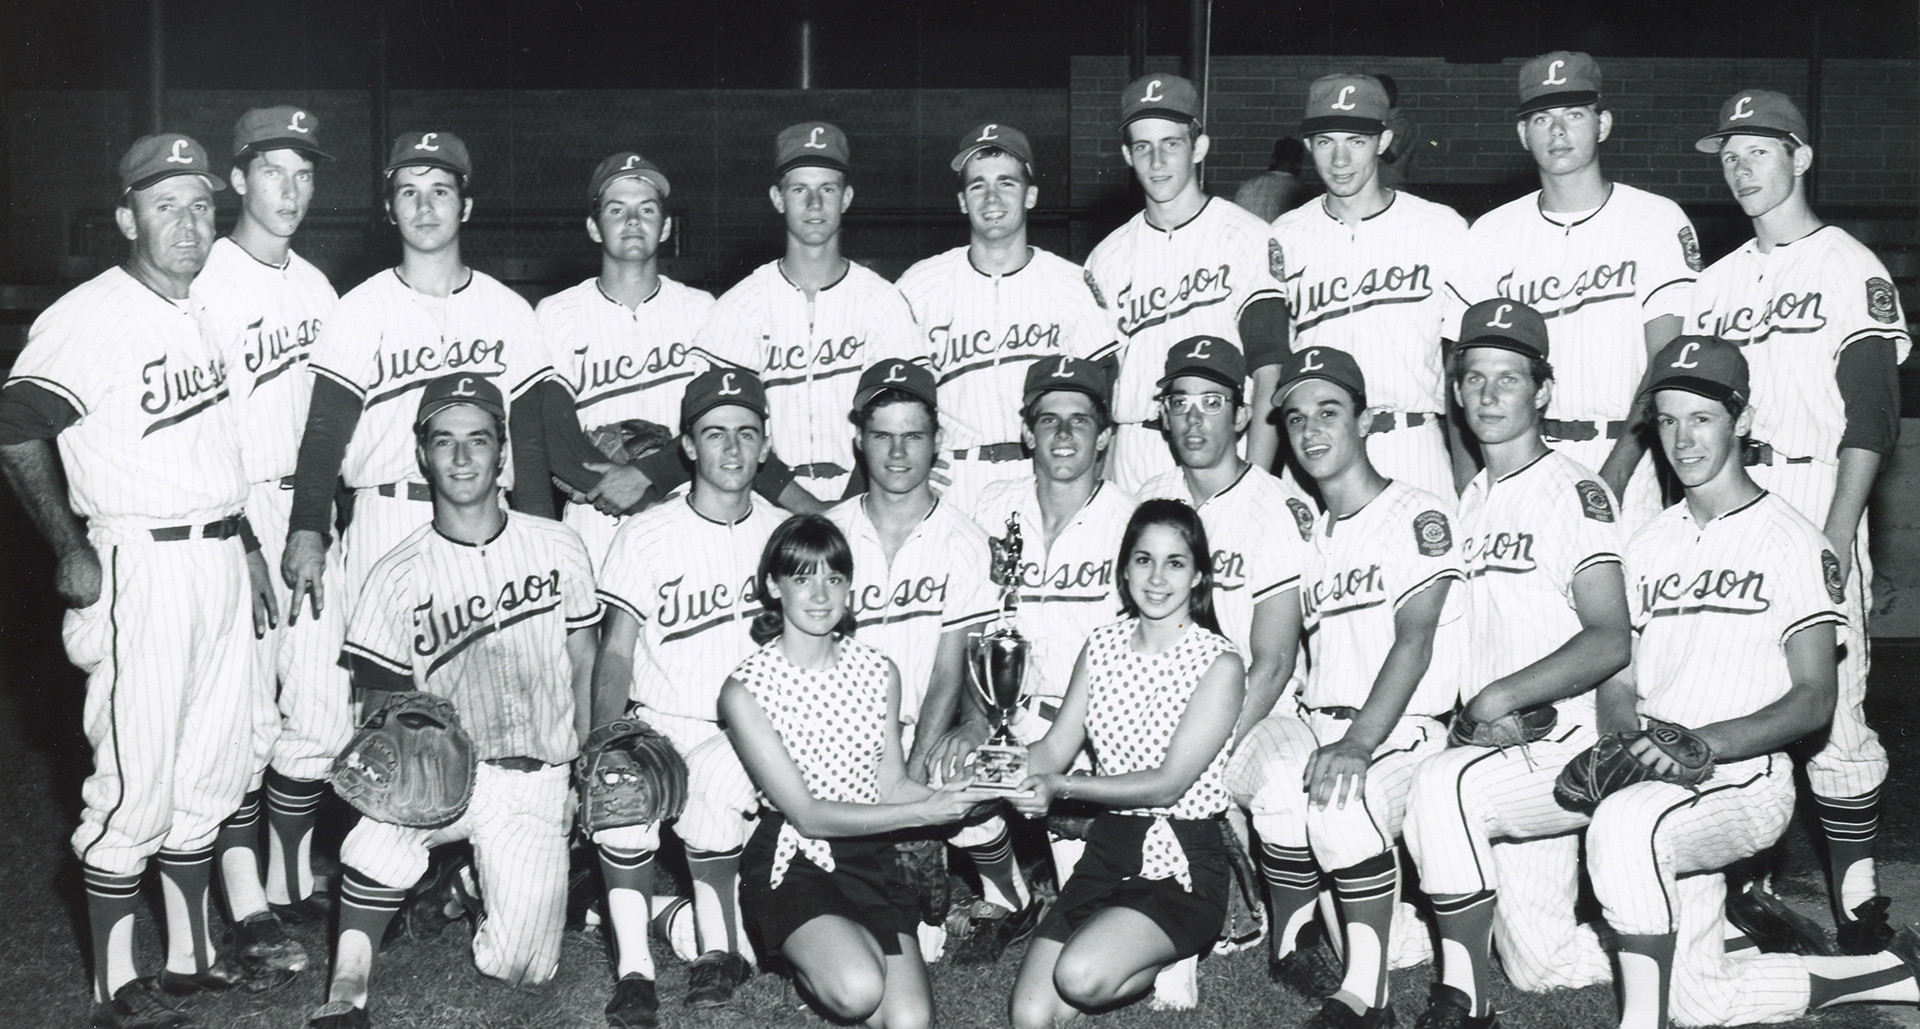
x: 496, y: 613
x: 1737, y: 599
x: 679, y: 585
x: 118, y: 377
x: 1383, y: 627
x: 1608, y: 265
x: 1072, y: 521
x: 262, y: 305
x: 1184, y: 266
x: 989, y: 309
x: 1374, y: 272
x: 1547, y: 621
x: 1821, y: 326
x: 810, y: 321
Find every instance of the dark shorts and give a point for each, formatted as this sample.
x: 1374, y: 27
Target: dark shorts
x: 1108, y: 876
x: 865, y: 887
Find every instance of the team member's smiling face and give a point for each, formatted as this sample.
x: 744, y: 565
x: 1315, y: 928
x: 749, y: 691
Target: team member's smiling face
x: 1761, y: 172
x: 1346, y: 161
x: 1065, y: 435
x: 726, y: 446
x: 1165, y: 156
x: 1698, y: 435
x: 995, y: 195
x: 1323, y: 427
x: 462, y: 453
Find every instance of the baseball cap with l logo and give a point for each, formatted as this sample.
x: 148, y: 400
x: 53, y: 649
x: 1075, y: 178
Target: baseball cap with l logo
x: 895, y: 373
x: 718, y: 387
x: 1057, y: 372
x: 1335, y: 366
x: 993, y: 134
x: 279, y: 128
x: 431, y: 150
x: 1208, y: 357
x: 1345, y: 103
x: 1564, y: 78
x: 453, y: 390
x: 1705, y: 365
x: 1504, y: 325
x: 153, y: 158
x: 1756, y: 112
x: 626, y: 165
x: 811, y: 144
x: 1159, y: 96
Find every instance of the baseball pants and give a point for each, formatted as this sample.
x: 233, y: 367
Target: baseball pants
x: 1643, y: 499
x: 167, y: 651
x: 303, y: 707
x: 1485, y: 819
x: 518, y: 824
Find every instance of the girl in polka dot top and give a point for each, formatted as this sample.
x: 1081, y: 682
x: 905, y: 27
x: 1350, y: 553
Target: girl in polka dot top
x: 1156, y: 696
x: 815, y: 718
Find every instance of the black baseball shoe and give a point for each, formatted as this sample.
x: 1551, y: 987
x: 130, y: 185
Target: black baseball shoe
x: 635, y: 1004
x: 339, y: 1015
x: 224, y: 974
x: 138, y: 1005
x: 1335, y: 1014
x: 1447, y: 1008
x: 712, y: 979
x: 1772, y: 925
x: 266, y: 953
x: 1868, y: 931
x: 1308, y: 970
x: 991, y: 936
x: 314, y: 909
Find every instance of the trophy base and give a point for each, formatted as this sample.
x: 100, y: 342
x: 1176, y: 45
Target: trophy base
x: 1000, y: 768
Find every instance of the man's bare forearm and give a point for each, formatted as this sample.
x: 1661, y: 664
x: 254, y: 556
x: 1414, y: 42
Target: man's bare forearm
x: 33, y: 470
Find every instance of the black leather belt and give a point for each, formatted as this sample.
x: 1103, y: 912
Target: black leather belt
x: 225, y: 528
x: 1757, y: 452
x: 405, y: 490
x: 1387, y: 421
x: 819, y: 470
x: 519, y: 764
x: 1343, y: 714
x: 1047, y: 709
x: 995, y: 452
x: 1577, y: 431
x: 286, y: 482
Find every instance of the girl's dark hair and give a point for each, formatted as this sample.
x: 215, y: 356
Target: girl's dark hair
x: 1179, y: 517
x: 801, y: 545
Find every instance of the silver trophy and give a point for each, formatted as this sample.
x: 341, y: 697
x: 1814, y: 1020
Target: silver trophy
x: 997, y: 670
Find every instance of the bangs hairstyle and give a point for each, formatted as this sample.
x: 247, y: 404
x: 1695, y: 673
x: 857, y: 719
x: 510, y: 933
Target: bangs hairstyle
x: 802, y: 545
x: 1102, y: 418
x: 863, y: 417
x: 1175, y: 515
x: 1539, y: 367
x: 461, y: 189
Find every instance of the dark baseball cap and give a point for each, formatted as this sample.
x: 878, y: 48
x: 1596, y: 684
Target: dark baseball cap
x: 1504, y: 325
x: 1345, y: 103
x: 1564, y: 78
x: 454, y: 390
x: 718, y: 387
x: 994, y: 134
x: 1209, y: 357
x: 153, y: 158
x: 1159, y: 96
x: 811, y: 144
x: 279, y: 128
x: 626, y: 165
x: 1056, y: 372
x: 1335, y: 366
x: 1706, y: 365
x: 896, y: 373
x: 432, y: 150
x: 1756, y: 112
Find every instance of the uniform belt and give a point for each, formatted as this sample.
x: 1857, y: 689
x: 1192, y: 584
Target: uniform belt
x: 1044, y: 707
x: 519, y: 764
x: 1387, y: 421
x: 1341, y: 714
x: 405, y: 490
x: 995, y: 452
x: 819, y: 470
x: 1757, y: 452
x: 1153, y: 424
x: 225, y: 528
x: 1579, y: 430
x: 286, y: 482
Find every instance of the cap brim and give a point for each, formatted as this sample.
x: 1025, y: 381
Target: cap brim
x: 426, y: 414
x: 1029, y: 396
x: 1167, y: 113
x: 659, y: 181
x: 1547, y: 101
x: 288, y: 143
x: 1286, y: 388
x: 427, y: 162
x: 1342, y: 123
x: 691, y: 415
x: 212, y: 180
x: 1502, y: 343
x: 1710, y: 143
x: 865, y: 396
x: 813, y: 162
x: 1692, y: 384
x: 960, y: 161
x: 1202, y: 373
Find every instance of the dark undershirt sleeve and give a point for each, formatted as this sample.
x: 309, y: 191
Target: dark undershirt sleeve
x: 29, y: 412
x: 1263, y: 332
x: 1869, y: 379
x: 370, y: 676
x: 567, y: 447
x: 330, y: 423
x: 528, y: 430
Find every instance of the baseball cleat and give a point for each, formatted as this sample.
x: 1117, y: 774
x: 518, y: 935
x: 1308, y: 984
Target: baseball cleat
x: 313, y: 909
x: 224, y: 974
x: 713, y: 978
x: 265, y: 949
x: 1448, y: 1008
x: 635, y: 1004
x: 1306, y: 971
x: 1906, y: 947
x: 991, y: 936
x: 138, y: 1005
x: 1773, y: 926
x: 1868, y: 931
x: 339, y: 1015
x: 1335, y: 1014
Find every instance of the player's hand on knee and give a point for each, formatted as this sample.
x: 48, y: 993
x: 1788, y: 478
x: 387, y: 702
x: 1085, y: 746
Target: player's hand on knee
x: 1337, y: 772
x: 266, y: 610
x: 77, y: 578
x: 621, y: 488
x: 301, y: 566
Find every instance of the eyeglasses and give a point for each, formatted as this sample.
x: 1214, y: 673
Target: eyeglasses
x: 1181, y: 403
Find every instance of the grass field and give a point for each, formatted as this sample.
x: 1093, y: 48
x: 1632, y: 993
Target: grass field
x: 432, y: 984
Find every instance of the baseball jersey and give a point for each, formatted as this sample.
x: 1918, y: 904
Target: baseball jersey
x: 386, y: 341
x: 1793, y: 310
x: 1361, y: 569
x: 1258, y: 528
x: 936, y: 582
x: 1714, y: 605
x: 1523, y: 539
x: 1066, y: 590
x: 979, y: 332
x: 622, y: 363
x: 810, y: 352
x: 1597, y: 281
x: 690, y: 582
x: 1386, y: 291
x: 1160, y: 286
x: 485, y: 625
x: 155, y: 442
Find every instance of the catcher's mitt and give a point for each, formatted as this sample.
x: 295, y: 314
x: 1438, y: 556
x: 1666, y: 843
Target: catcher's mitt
x: 629, y: 774
x: 1513, y: 729
x: 1607, y: 766
x: 411, y: 764
x: 622, y: 443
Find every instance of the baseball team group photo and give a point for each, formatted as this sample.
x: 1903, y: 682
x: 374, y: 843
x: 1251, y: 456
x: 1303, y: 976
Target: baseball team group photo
x: 1347, y: 542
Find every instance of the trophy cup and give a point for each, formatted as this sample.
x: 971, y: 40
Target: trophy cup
x: 997, y: 670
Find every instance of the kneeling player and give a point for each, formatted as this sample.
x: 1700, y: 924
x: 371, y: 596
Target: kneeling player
x: 1547, y: 617
x: 495, y: 613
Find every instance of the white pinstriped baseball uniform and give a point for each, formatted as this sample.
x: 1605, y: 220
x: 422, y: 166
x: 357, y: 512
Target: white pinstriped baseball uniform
x: 1793, y: 310
x: 810, y: 352
x: 167, y: 646
x: 1387, y: 291
x: 1524, y: 539
x: 485, y: 625
x: 979, y: 333
x: 1715, y: 605
x: 1597, y: 278
x: 1160, y: 286
x: 689, y: 581
x: 622, y: 363
x: 384, y: 343
x: 264, y: 319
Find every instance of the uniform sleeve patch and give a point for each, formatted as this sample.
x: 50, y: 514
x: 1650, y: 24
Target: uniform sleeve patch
x: 1690, y: 247
x: 1836, y: 584
x: 1302, y: 517
x: 1594, y: 502
x: 1880, y: 301
x: 1432, y: 534
x: 1276, y: 260
x: 1093, y: 287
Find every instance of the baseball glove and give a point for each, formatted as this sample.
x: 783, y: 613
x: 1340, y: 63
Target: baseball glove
x: 622, y: 443
x: 1513, y: 729
x: 1608, y: 766
x: 922, y: 867
x: 410, y: 764
x: 629, y: 774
